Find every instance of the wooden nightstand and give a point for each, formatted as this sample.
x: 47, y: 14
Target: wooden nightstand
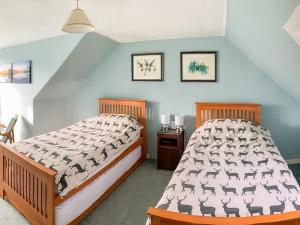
x: 170, y: 147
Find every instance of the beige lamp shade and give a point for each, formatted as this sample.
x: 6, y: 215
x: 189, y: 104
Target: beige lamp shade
x: 78, y: 23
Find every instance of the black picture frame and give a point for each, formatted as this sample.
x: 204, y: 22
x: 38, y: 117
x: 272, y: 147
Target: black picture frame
x: 215, y: 53
x: 160, y: 54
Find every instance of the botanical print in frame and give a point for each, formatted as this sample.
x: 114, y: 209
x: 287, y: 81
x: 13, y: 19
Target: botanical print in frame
x: 147, y: 67
x: 199, y: 66
x: 21, y: 72
x: 5, y: 73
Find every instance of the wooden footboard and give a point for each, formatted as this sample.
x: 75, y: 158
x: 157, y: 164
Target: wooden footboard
x: 27, y: 185
x: 163, y: 217
x: 30, y: 187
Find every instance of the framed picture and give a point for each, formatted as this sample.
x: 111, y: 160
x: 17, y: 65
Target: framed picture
x: 147, y: 67
x: 21, y: 72
x: 5, y: 73
x: 198, y: 66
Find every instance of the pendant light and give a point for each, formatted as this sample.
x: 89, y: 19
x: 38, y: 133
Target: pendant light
x: 78, y: 22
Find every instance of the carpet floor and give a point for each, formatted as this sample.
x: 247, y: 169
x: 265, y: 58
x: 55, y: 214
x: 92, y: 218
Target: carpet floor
x: 126, y: 206
x: 295, y: 168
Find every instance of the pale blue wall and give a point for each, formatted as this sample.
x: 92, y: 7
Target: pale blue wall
x: 239, y: 81
x: 256, y: 28
x: 55, y: 96
x: 47, y: 56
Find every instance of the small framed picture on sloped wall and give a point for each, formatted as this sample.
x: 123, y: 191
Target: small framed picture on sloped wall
x: 21, y: 72
x: 198, y: 66
x: 147, y: 67
x: 5, y: 73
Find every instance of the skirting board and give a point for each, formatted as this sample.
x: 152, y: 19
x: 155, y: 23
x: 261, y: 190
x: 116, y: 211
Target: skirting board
x: 293, y: 161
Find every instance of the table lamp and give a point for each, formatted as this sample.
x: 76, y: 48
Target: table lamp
x: 179, y: 122
x: 165, y: 121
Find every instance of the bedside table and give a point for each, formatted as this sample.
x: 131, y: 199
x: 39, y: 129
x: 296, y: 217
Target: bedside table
x: 170, y: 147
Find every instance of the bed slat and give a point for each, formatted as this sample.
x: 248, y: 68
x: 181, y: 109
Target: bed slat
x: 25, y: 186
x: 208, y: 111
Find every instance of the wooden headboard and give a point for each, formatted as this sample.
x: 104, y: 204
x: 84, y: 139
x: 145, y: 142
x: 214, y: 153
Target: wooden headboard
x: 136, y: 108
x: 207, y: 111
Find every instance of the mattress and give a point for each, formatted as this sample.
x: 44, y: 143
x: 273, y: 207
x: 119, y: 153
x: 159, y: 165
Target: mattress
x: 74, y: 206
x: 231, y: 168
x: 79, y: 151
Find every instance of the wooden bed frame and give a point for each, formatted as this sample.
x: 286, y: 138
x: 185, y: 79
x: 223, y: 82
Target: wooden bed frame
x: 204, y: 112
x: 208, y: 111
x: 30, y: 187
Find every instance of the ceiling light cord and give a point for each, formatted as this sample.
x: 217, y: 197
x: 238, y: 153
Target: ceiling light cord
x: 77, y: 4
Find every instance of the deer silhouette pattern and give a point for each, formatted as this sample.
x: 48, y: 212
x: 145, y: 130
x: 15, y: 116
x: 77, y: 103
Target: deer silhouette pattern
x: 79, y: 151
x: 254, y: 209
x: 231, y: 168
x: 166, y: 205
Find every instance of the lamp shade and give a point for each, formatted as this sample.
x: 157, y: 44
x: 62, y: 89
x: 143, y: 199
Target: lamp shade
x: 78, y: 23
x: 165, y: 119
x: 179, y: 120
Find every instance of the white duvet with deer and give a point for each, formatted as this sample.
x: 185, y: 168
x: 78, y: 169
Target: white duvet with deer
x: 78, y: 152
x: 231, y: 168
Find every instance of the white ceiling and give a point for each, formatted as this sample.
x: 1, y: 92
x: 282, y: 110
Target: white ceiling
x: 23, y: 21
x: 293, y: 25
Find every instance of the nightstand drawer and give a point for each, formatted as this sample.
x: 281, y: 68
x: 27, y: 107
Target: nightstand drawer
x: 167, y: 158
x: 168, y: 142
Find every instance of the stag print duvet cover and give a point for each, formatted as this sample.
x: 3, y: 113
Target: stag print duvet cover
x: 231, y: 168
x: 78, y: 152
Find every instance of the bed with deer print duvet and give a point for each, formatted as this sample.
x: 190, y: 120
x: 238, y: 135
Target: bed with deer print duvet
x: 79, y: 151
x: 231, y: 168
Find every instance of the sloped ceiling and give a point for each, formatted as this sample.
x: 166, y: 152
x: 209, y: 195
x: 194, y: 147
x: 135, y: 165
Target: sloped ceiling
x: 257, y: 28
x: 293, y: 25
x: 124, y: 21
x: 89, y: 52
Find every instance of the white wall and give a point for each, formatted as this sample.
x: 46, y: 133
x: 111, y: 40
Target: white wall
x: 47, y: 56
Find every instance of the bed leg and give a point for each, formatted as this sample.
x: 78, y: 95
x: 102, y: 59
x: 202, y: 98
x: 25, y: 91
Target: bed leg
x: 1, y: 172
x: 155, y: 220
x: 1, y: 191
x: 144, y: 151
